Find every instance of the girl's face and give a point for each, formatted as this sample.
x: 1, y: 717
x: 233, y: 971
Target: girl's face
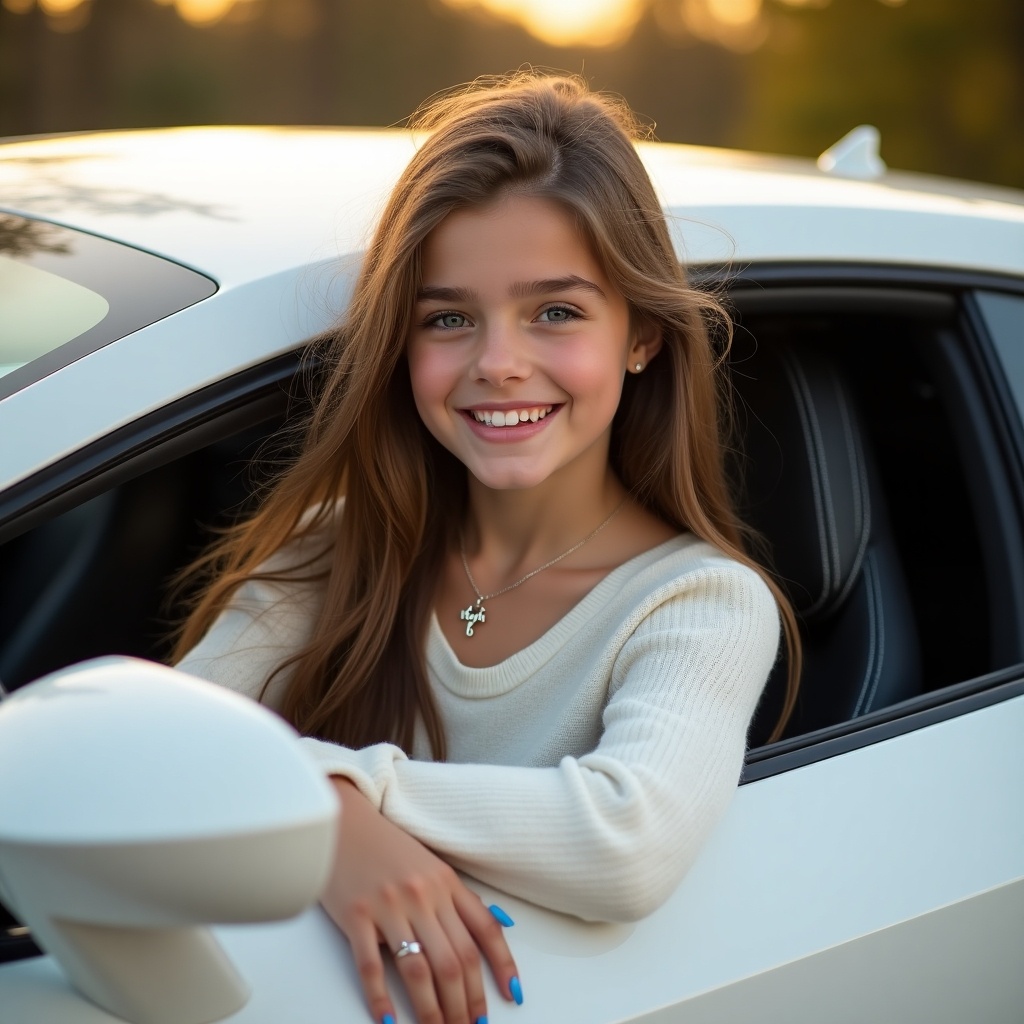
x: 519, y: 344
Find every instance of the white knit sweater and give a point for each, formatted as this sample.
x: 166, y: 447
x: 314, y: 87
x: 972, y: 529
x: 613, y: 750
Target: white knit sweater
x: 585, y: 771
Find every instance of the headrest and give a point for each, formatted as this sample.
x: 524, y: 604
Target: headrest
x: 802, y: 473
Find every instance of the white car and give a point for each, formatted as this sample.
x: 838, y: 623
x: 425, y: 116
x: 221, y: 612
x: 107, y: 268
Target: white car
x: 157, y: 293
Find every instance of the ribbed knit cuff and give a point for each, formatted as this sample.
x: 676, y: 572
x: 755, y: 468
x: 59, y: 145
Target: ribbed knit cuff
x: 370, y: 770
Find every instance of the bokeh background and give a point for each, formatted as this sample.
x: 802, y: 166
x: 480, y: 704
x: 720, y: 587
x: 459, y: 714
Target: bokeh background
x: 942, y: 79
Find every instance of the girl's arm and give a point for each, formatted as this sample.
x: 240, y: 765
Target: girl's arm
x: 604, y: 836
x: 607, y: 835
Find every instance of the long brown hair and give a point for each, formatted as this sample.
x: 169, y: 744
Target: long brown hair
x: 361, y: 678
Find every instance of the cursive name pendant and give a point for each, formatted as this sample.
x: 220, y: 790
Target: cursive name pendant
x: 472, y: 615
x: 475, y: 614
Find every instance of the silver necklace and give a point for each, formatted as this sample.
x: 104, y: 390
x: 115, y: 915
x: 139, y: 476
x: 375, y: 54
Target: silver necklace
x: 476, y: 614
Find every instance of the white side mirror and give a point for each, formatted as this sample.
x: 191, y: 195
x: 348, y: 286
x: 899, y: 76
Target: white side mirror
x: 137, y: 805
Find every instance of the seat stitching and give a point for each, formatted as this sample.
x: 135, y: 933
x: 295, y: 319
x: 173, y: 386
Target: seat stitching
x: 876, y: 650
x: 824, y: 517
x: 861, y: 491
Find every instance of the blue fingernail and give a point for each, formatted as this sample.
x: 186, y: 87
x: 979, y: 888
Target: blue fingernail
x: 500, y: 916
x: 480, y: 1020
x: 387, y: 1019
x: 517, y: 991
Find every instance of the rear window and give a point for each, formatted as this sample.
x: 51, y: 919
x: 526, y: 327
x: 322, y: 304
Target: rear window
x: 65, y: 293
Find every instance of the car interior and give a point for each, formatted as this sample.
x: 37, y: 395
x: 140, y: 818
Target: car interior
x: 879, y: 482
x: 868, y: 458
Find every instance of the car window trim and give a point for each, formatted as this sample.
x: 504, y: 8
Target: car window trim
x: 241, y: 400
x: 887, y: 723
x: 717, y: 277
x: 1002, y: 396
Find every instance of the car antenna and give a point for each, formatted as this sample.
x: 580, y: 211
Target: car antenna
x: 855, y: 155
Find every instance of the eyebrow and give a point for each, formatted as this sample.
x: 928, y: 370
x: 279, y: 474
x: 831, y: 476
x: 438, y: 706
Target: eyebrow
x: 520, y: 289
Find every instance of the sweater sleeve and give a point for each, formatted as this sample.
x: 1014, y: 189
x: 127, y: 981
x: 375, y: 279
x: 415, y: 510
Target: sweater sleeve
x: 264, y: 622
x: 608, y: 835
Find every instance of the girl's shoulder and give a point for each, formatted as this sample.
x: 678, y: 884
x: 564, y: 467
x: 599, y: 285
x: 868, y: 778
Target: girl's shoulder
x: 686, y: 571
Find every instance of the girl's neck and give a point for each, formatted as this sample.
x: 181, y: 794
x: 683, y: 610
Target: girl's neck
x: 513, y: 531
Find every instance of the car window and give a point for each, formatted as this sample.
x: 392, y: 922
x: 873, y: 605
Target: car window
x: 64, y: 294
x: 1004, y: 317
x: 943, y: 542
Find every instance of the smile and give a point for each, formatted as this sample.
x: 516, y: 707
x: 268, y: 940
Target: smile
x: 510, y: 417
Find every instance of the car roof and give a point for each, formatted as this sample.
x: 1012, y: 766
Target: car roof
x: 237, y: 204
x: 240, y: 203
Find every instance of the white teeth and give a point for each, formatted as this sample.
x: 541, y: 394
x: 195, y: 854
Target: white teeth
x: 510, y: 417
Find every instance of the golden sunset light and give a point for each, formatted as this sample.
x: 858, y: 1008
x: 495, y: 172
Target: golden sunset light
x: 58, y: 7
x: 566, y: 22
x: 196, y: 12
x: 204, y: 12
x: 737, y: 24
x: 735, y: 13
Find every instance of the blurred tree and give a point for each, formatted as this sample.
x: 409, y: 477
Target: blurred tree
x: 943, y: 80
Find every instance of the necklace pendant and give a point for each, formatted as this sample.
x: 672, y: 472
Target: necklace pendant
x: 472, y: 615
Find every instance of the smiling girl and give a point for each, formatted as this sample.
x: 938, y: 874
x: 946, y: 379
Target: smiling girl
x: 503, y: 592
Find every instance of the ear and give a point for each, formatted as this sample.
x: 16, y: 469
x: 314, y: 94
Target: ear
x: 646, y: 345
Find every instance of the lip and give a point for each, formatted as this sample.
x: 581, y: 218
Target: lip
x: 508, y: 435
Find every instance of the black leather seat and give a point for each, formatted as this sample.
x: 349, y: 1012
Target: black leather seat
x: 810, y: 488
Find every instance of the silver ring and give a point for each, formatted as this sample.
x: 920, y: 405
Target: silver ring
x: 407, y: 948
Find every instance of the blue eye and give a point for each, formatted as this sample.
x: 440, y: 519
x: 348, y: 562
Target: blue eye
x: 447, y: 321
x: 558, y: 315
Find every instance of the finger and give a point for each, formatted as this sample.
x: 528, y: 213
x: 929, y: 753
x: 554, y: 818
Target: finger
x: 416, y: 973
x: 489, y: 937
x: 469, y: 958
x: 449, y: 983
x: 365, y: 942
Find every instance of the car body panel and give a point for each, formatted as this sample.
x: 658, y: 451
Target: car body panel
x: 805, y: 865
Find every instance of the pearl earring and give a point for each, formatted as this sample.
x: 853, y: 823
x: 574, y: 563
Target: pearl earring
x: 638, y: 367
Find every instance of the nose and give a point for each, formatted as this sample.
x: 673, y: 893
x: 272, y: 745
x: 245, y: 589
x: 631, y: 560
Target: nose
x: 501, y: 354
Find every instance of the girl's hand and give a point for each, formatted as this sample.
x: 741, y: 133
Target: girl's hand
x: 388, y: 888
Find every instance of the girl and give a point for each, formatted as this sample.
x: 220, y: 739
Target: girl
x: 502, y: 591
